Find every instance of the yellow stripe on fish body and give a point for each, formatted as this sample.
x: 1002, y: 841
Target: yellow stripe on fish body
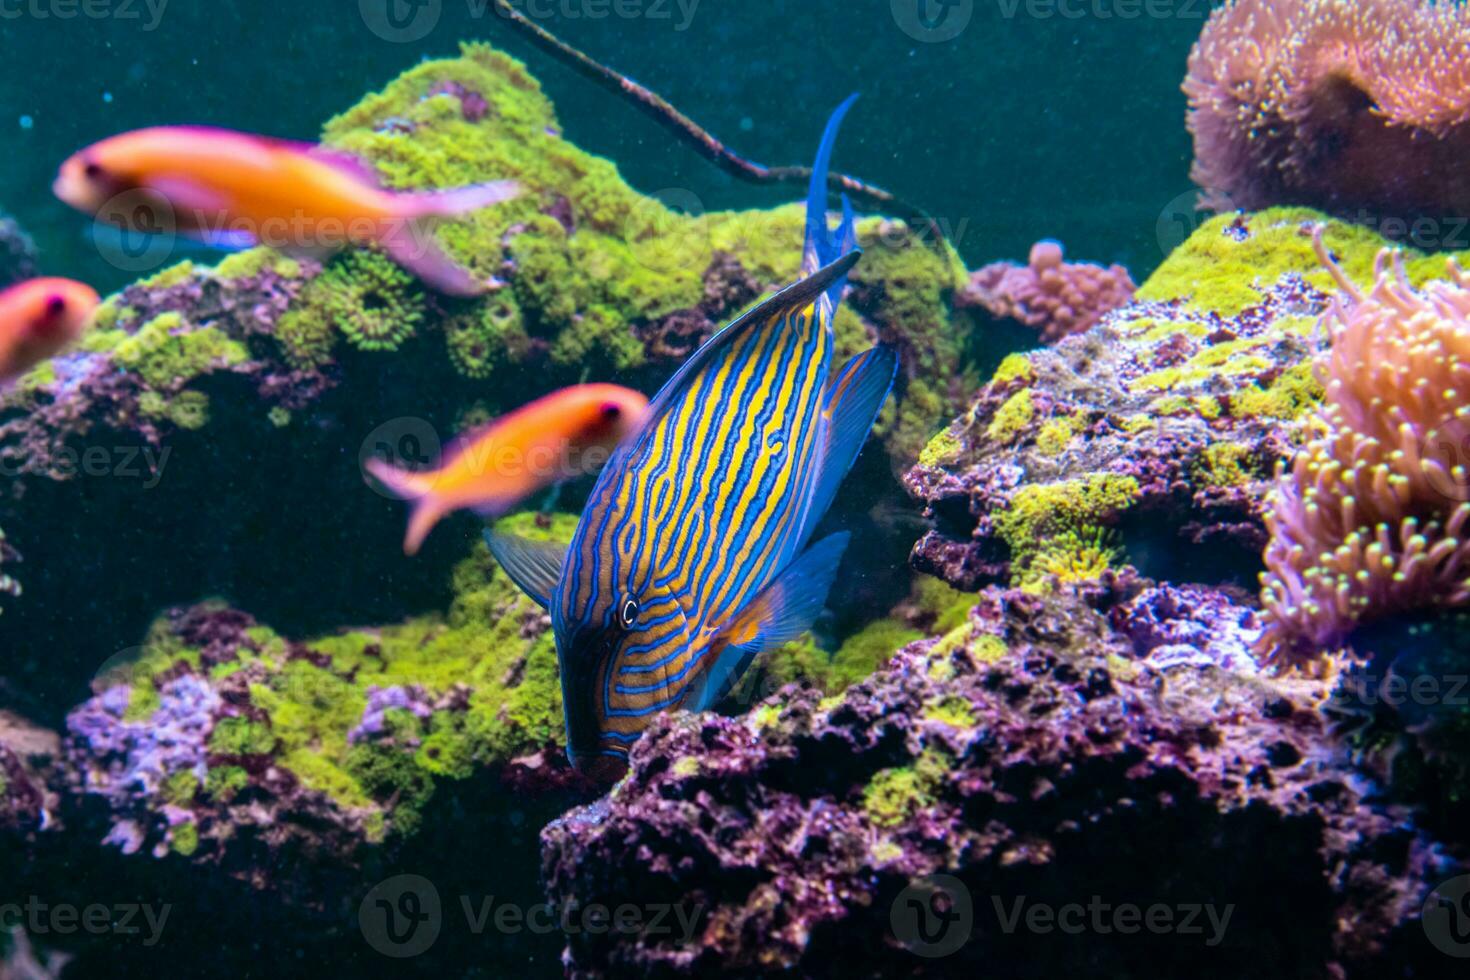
x: 695, y: 517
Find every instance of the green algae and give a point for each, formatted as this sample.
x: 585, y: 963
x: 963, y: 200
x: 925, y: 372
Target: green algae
x: 1053, y: 529
x: 1013, y: 417
x: 166, y: 352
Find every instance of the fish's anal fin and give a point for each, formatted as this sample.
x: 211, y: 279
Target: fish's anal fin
x: 782, y: 612
x: 535, y: 566
x: 854, y: 397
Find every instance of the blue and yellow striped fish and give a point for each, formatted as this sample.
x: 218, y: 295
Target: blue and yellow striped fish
x: 691, y: 556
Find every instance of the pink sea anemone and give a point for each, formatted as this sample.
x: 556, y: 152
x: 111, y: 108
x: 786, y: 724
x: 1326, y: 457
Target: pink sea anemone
x: 1056, y: 297
x: 1373, y: 515
x: 1346, y: 105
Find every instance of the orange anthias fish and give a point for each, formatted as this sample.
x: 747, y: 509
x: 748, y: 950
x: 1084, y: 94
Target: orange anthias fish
x: 38, y: 319
x: 567, y: 434
x: 236, y: 189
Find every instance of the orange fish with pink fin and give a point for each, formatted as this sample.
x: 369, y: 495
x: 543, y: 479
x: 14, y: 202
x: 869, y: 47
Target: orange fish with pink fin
x: 562, y: 436
x: 235, y: 190
x: 39, y: 318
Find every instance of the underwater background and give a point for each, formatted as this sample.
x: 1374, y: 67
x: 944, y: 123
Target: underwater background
x: 1156, y: 594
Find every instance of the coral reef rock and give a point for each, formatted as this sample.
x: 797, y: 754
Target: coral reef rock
x: 1156, y: 431
x: 227, y: 744
x: 1034, y: 757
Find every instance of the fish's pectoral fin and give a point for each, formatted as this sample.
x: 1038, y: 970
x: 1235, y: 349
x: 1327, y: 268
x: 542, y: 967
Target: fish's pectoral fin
x: 782, y: 612
x: 854, y: 397
x: 535, y: 566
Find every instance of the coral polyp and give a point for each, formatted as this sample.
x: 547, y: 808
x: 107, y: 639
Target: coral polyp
x: 1370, y: 519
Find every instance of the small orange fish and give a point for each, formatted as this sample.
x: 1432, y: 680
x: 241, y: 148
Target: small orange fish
x: 567, y: 434
x: 38, y: 319
x: 235, y: 189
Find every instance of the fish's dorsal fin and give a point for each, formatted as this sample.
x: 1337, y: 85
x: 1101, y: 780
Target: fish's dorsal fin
x: 854, y: 397
x: 822, y: 245
x: 788, y: 301
x: 535, y: 566
x: 782, y: 612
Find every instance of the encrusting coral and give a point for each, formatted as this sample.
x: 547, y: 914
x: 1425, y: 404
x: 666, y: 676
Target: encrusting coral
x: 1057, y: 298
x: 1360, y: 107
x: 1371, y: 518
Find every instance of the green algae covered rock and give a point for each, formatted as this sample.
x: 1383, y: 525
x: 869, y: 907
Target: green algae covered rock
x: 1156, y: 430
x: 222, y: 740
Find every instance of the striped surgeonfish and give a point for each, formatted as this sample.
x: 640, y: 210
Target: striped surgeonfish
x: 691, y: 556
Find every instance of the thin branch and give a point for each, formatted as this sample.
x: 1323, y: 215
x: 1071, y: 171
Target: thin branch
x: 661, y: 111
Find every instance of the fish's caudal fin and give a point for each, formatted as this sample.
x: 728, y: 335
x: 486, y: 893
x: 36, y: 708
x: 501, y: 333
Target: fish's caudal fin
x: 823, y: 246
x: 416, y: 488
x: 782, y: 612
x: 461, y: 200
x: 411, y: 244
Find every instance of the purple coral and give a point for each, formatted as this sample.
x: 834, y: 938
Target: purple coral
x: 127, y: 762
x: 1057, y: 298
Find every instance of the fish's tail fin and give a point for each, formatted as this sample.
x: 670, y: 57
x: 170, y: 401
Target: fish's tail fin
x: 416, y: 488
x: 411, y: 244
x: 823, y: 245
x: 461, y: 200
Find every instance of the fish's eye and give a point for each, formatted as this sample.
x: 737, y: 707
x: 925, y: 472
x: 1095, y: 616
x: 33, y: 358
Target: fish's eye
x: 629, y: 613
x: 92, y: 171
x: 55, y: 306
x: 611, y: 410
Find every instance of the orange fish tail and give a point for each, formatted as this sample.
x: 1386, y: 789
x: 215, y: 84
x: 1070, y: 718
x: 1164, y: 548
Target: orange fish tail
x: 426, y: 514
x: 415, y: 487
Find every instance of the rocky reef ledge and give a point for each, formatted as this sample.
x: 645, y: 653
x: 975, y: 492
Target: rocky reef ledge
x: 1051, y: 752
